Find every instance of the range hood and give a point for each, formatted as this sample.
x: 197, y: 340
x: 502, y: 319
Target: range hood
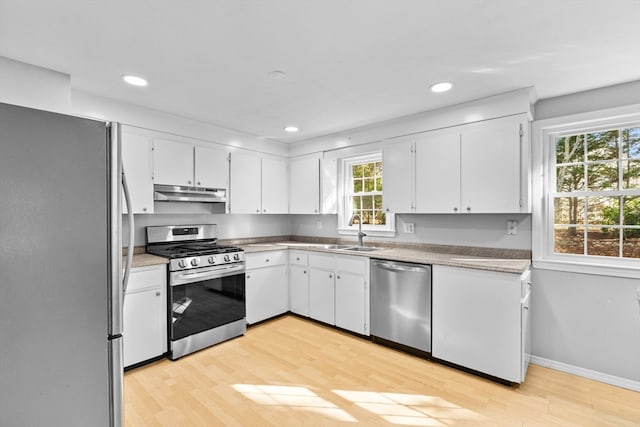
x: 178, y: 193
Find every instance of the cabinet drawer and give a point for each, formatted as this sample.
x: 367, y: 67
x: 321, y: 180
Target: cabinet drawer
x: 265, y: 259
x: 321, y: 261
x: 298, y: 258
x: 348, y: 264
x: 146, y: 278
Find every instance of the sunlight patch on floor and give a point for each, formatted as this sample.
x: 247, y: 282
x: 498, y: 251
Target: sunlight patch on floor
x: 299, y: 398
x: 409, y: 409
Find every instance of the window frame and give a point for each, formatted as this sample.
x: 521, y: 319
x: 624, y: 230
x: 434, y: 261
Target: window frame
x: 344, y: 192
x: 544, y: 191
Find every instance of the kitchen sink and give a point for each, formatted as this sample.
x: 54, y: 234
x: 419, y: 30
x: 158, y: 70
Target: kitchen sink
x: 361, y: 248
x: 337, y: 246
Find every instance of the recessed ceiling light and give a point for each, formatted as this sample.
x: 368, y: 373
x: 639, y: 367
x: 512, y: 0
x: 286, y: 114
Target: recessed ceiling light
x: 277, y: 74
x: 291, y: 129
x: 441, y: 87
x: 134, y: 80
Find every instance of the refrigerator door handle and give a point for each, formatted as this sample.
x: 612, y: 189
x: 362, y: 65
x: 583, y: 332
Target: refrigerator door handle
x: 116, y: 368
x: 127, y: 198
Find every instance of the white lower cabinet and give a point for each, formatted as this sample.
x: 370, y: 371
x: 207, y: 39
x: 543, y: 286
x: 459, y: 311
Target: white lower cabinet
x: 339, y: 291
x: 299, y: 283
x: 266, y: 288
x: 145, y: 315
x: 478, y: 321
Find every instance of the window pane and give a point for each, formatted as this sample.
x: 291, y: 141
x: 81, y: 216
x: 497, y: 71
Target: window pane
x: 570, y: 178
x: 602, y: 145
x: 367, y: 217
x: 379, y: 184
x: 602, y: 176
x: 381, y: 218
x: 603, y: 210
x: 631, y: 207
x: 568, y: 240
x: 377, y: 202
x: 357, y: 185
x: 569, y: 210
x: 367, y: 202
x: 570, y: 149
x: 369, y: 184
x: 631, y: 243
x: 630, y: 174
x: 603, y: 241
x: 378, y: 169
x: 631, y: 143
x: 356, y: 171
x: 356, y: 202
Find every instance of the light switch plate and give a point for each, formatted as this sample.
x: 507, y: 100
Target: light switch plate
x: 409, y: 227
x: 512, y: 227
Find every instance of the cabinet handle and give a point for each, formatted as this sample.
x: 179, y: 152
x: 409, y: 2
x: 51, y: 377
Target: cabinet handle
x: 198, y: 183
x: 468, y: 208
x: 455, y: 209
x: 258, y: 210
x: 297, y: 258
x: 267, y: 260
x: 248, y: 277
x: 158, y: 293
x: 315, y: 211
x: 144, y: 209
x: 330, y: 276
x: 188, y: 182
x: 337, y: 277
x: 304, y: 271
x: 264, y: 210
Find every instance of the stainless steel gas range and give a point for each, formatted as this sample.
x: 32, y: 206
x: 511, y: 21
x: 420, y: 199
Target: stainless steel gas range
x: 206, y: 284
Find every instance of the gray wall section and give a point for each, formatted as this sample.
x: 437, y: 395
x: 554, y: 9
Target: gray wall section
x: 588, y: 321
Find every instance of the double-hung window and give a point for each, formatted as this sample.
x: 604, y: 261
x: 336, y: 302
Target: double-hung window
x: 362, y: 195
x: 590, y: 207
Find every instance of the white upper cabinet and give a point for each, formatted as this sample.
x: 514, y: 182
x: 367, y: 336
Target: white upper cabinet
x: 474, y: 168
x: 438, y: 172
x: 211, y: 168
x: 398, y: 162
x: 245, y: 185
x: 258, y: 185
x: 275, y: 185
x: 173, y: 162
x: 136, y: 160
x: 304, y: 185
x: 329, y: 186
x: 490, y: 166
x: 184, y: 163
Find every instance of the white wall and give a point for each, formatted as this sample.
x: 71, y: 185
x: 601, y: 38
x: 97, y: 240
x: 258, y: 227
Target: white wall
x: 488, y: 231
x: 586, y: 321
x: 35, y: 87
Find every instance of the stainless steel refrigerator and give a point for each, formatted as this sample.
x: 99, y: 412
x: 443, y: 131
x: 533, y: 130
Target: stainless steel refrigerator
x: 60, y: 270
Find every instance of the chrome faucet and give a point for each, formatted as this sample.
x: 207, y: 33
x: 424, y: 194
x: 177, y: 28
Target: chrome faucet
x: 360, y: 233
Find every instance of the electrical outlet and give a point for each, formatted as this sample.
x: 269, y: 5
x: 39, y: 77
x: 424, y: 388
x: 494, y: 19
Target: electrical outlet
x: 319, y: 225
x: 512, y: 227
x: 409, y: 227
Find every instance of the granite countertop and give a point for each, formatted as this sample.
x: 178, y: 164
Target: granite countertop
x: 499, y: 260
x: 143, y: 259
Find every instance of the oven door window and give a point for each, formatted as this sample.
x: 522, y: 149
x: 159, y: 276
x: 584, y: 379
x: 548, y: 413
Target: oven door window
x: 199, y: 306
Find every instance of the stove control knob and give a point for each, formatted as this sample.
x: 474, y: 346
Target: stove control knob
x: 212, y: 260
x: 226, y: 258
x: 182, y: 263
x: 236, y: 257
x: 195, y: 262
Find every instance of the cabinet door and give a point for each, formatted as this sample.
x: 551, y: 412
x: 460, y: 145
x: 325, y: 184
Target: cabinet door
x: 321, y: 295
x: 329, y: 186
x: 136, y: 160
x: 275, y: 186
x: 351, y: 302
x: 476, y: 320
x: 398, y: 175
x: 299, y: 290
x: 490, y: 167
x: 211, y: 168
x: 267, y: 293
x: 244, y: 186
x: 172, y: 162
x: 438, y: 172
x: 304, y: 186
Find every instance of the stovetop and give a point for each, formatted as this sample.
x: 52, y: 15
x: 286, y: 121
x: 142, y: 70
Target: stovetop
x: 183, y: 250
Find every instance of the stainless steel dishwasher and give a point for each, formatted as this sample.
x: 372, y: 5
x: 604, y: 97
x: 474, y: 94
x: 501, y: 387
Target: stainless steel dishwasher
x: 401, y: 303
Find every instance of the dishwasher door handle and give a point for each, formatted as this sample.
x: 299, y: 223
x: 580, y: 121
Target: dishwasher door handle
x: 396, y: 267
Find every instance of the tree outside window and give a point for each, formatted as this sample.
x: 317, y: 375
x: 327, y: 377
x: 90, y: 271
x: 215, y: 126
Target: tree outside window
x: 365, y: 192
x: 596, y: 203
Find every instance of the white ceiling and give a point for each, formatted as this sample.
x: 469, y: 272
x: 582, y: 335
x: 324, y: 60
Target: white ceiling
x: 348, y: 63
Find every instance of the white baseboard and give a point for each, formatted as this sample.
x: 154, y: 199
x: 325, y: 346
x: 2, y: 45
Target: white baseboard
x: 586, y: 373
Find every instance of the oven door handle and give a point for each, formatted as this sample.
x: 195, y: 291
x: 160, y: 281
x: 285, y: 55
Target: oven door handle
x: 182, y: 278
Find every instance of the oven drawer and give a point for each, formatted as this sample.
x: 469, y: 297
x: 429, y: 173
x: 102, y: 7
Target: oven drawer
x: 265, y: 259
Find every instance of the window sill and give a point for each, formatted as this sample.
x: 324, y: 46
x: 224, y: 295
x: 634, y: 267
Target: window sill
x: 372, y: 233
x: 571, y: 266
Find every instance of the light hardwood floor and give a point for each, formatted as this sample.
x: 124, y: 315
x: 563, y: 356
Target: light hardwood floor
x: 294, y: 372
